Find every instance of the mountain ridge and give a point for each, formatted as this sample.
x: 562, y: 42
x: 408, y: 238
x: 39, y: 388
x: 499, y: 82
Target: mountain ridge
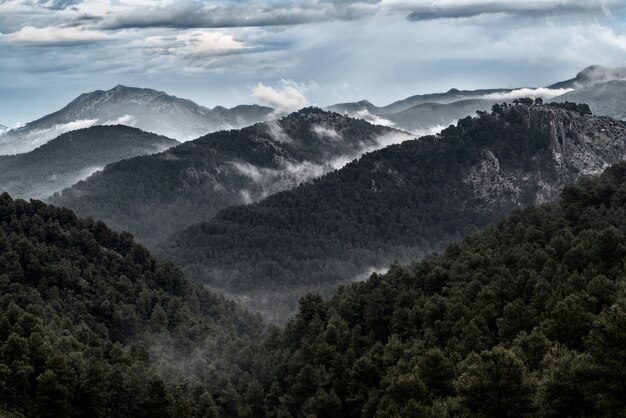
x: 146, y: 195
x: 74, y: 156
x: 592, y: 75
x: 147, y: 109
x: 398, y: 203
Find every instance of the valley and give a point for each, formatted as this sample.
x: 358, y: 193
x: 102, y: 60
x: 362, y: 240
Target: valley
x: 459, y: 252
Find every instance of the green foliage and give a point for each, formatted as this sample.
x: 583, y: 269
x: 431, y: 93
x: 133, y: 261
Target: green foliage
x: 91, y: 325
x: 396, y: 204
x: 525, y: 319
x: 154, y: 196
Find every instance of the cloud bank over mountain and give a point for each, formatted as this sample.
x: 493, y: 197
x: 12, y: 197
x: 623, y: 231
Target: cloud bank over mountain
x: 230, y: 52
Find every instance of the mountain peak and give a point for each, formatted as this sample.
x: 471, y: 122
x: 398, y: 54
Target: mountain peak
x: 598, y: 73
x: 591, y: 75
x: 307, y: 111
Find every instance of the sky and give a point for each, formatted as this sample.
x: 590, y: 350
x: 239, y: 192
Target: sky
x: 290, y: 53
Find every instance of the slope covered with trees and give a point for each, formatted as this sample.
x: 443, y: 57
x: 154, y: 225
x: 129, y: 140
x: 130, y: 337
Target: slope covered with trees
x: 155, y: 196
x: 398, y: 203
x: 91, y: 325
x: 525, y: 319
x: 74, y: 156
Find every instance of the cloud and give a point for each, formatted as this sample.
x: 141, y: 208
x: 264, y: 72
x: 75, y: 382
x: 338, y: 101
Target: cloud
x: 330, y: 133
x: 59, y: 4
x: 128, y: 120
x: 371, y: 118
x: 31, y: 35
x: 286, y: 100
x: 195, y: 14
x: 544, y: 93
x: 277, y: 133
x: 43, y: 135
x: 290, y: 174
x: 194, y: 45
x: 31, y: 140
x: 448, y: 9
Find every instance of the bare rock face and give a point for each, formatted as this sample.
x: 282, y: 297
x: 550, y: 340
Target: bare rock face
x: 572, y: 144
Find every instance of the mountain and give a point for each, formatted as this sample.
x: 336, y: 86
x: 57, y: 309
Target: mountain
x: 591, y: 75
x: 146, y: 109
x: 526, y: 319
x: 422, y: 113
x: 155, y: 196
x: 91, y: 325
x: 426, y: 113
x: 607, y: 99
x: 3, y: 129
x: 452, y: 95
x: 399, y: 203
x: 74, y: 156
x: 433, y: 117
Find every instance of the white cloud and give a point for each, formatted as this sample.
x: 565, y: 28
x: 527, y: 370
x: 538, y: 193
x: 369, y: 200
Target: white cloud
x: 61, y: 128
x: 32, y: 35
x: 128, y: 120
x: 277, y: 133
x: 371, y: 118
x: 543, y: 93
x: 288, y: 99
x: 323, y: 132
x: 194, y: 44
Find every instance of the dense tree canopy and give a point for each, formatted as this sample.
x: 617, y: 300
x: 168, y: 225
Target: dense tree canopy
x: 157, y: 195
x: 525, y: 319
x: 91, y: 325
x: 398, y: 203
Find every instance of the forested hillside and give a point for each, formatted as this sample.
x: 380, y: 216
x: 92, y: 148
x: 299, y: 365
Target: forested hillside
x: 74, y: 156
x: 399, y: 203
x: 526, y: 319
x: 92, y: 326
x: 155, y: 196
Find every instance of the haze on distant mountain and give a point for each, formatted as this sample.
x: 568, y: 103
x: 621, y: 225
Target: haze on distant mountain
x: 155, y: 196
x: 591, y: 75
x: 146, y: 109
x: 399, y: 203
x: 74, y: 156
x: 607, y: 98
x: 429, y: 113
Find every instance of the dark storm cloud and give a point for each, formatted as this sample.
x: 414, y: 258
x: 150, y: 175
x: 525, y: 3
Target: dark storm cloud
x: 194, y: 14
x: 59, y: 4
x: 532, y: 9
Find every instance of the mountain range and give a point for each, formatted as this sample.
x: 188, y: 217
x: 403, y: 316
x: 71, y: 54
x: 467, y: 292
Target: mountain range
x: 74, y: 156
x: 475, y: 272
x: 430, y: 113
x: 157, y: 195
x: 399, y: 203
x: 608, y: 98
x: 146, y: 109
x: 594, y: 74
x: 163, y: 114
x: 524, y: 319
